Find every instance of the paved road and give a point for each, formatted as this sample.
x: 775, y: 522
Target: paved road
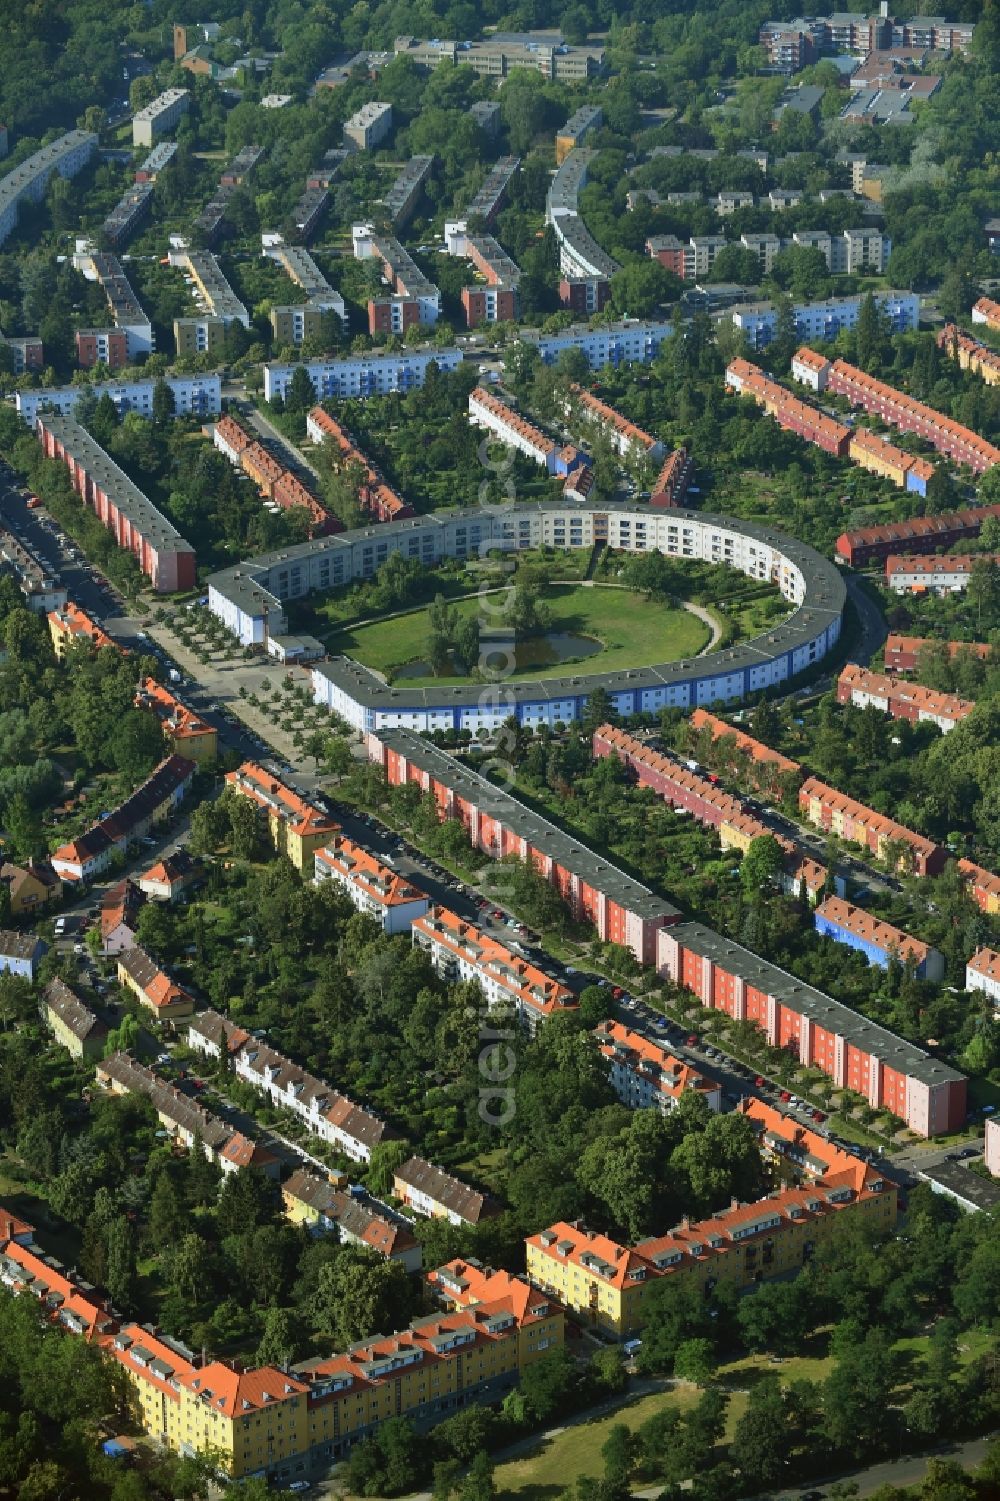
x: 873, y: 626
x: 910, y: 1470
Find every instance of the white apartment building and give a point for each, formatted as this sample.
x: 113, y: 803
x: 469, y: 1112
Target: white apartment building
x: 375, y: 890
x: 460, y: 951
x: 198, y: 395
x: 983, y: 973
x: 370, y: 374
x: 159, y: 116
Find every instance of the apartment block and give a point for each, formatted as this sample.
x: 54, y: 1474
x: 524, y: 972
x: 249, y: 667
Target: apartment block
x: 127, y: 214
x: 645, y: 1075
x: 315, y: 1202
x: 108, y: 346
x: 877, y: 454
x: 606, y: 1282
x: 297, y: 828
x: 399, y: 204
x: 579, y: 253
x: 413, y: 298
x: 460, y: 951
x: 833, y: 811
x: 186, y: 1119
x: 185, y: 732
x: 200, y: 335
x: 856, y: 685
x: 375, y: 497
x: 73, y: 1025
x: 949, y: 437
x: 374, y: 889
x: 820, y: 1032
x: 907, y: 574
x: 992, y: 1145
x: 167, y: 560
x: 919, y: 534
x: 194, y: 396
x: 297, y: 321
x: 431, y: 1192
x: 803, y: 1155
x: 368, y: 126
x: 152, y: 987
x: 27, y: 183
x: 156, y: 162
x: 584, y: 295
x: 622, y: 910
x: 492, y: 196
x: 486, y: 114
x: 159, y: 117
x: 38, y: 582
x: 26, y: 354
x: 151, y: 804
x: 903, y: 653
x: 825, y: 319
x: 216, y: 296
x: 495, y: 299
x: 880, y: 942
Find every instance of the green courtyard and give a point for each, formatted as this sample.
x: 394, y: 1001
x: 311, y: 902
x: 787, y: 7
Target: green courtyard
x: 622, y: 629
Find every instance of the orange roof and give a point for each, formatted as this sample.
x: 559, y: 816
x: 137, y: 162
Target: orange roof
x: 136, y: 1349
x: 178, y: 721
x: 643, y: 1056
x: 986, y: 962
x: 597, y: 1254
x: 236, y: 1393
x: 525, y: 982
x: 981, y: 879
x: 859, y: 382
x: 512, y: 420
x: 882, y: 934
x: 374, y: 495
x: 72, y: 621
x: 925, y: 700
x: 912, y: 645
x: 810, y: 359
x: 832, y: 797
x: 930, y: 567
x: 701, y: 719
x: 613, y: 418
x: 278, y: 800
x: 233, y: 433
x: 362, y: 868
x: 11, y: 1226
x: 466, y: 1284
x: 990, y: 311
x: 807, y: 1148
x: 30, y: 1271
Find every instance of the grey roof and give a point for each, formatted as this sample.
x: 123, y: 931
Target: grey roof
x: 34, y: 172
x: 587, y: 117
x: 575, y: 234
x: 486, y: 199
x: 506, y: 270
x: 170, y: 1103
x: 222, y: 300
x: 72, y: 1012
x: 409, y: 181
x: 570, y: 177
x: 152, y: 525
x: 126, y: 308
x: 161, y: 155
x: 468, y: 1203
x: 15, y: 945
x: 958, y: 1182
x: 130, y: 207
x: 566, y: 851
x: 820, y: 1008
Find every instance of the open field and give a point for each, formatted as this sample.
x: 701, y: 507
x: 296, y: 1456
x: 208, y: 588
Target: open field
x: 632, y: 631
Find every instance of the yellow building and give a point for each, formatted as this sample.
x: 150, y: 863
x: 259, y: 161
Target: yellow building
x: 253, y: 1420
x: 297, y: 829
x: 29, y: 887
x: 747, y: 1243
x: 73, y: 1025
x: 184, y: 731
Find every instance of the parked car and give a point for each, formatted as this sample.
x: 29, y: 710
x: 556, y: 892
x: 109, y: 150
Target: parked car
x: 785, y: 1097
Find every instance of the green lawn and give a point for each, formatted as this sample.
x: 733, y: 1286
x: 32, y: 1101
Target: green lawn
x: 632, y: 631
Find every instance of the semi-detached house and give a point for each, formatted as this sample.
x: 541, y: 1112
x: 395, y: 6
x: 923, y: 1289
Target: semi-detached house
x: 152, y: 986
x: 315, y: 1202
x: 325, y: 1111
x: 430, y: 1191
